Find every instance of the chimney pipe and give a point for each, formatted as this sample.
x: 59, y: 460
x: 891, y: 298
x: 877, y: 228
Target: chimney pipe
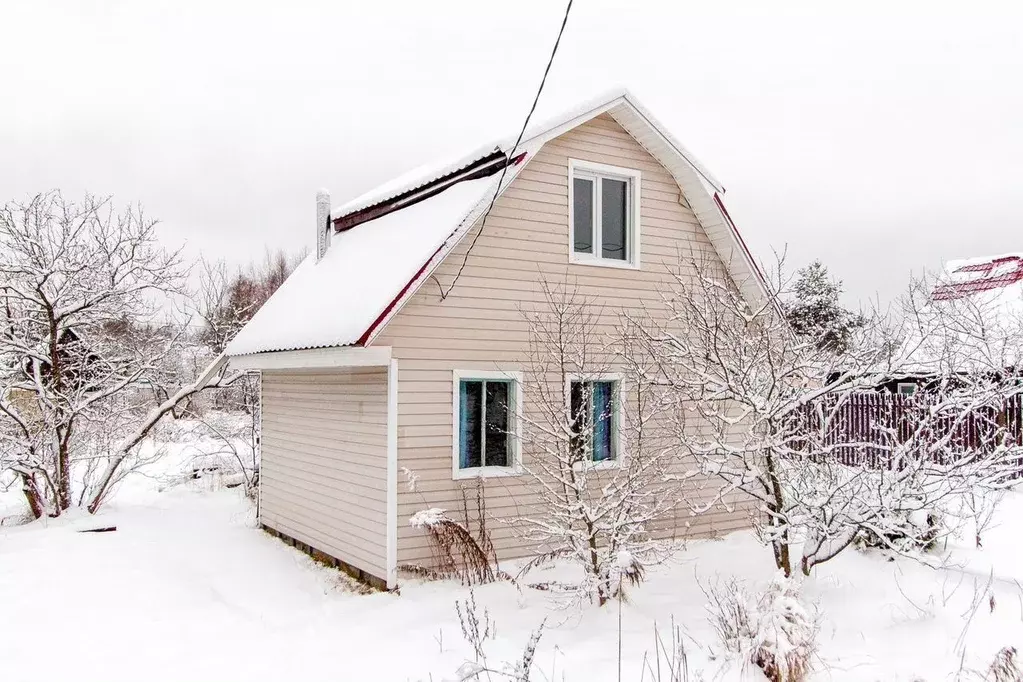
x: 322, y: 223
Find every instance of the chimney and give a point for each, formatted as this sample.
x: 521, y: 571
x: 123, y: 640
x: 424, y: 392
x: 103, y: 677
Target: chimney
x: 323, y: 228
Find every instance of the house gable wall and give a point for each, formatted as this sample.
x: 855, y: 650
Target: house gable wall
x: 480, y: 325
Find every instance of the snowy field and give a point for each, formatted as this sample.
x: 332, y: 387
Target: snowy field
x: 187, y: 588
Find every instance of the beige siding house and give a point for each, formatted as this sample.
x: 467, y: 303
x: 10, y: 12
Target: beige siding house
x: 384, y: 351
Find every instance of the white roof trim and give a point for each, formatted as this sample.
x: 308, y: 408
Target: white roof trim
x: 378, y: 356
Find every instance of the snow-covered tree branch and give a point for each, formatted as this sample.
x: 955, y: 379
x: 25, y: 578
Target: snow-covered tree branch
x: 85, y: 346
x: 773, y: 413
x: 599, y: 460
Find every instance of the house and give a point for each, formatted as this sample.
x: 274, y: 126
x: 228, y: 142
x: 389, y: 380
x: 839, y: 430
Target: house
x: 374, y: 352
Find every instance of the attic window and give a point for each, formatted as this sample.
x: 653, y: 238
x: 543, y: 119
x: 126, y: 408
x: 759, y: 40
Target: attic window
x: 603, y: 214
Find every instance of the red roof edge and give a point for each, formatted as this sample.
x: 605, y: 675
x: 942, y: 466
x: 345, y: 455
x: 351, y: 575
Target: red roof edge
x: 742, y: 242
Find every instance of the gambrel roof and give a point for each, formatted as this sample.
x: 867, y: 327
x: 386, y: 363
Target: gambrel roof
x: 391, y: 238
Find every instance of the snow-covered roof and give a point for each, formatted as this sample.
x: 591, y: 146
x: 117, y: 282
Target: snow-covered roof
x: 333, y: 302
x: 970, y: 320
x: 413, y: 179
x: 372, y: 269
x: 993, y: 281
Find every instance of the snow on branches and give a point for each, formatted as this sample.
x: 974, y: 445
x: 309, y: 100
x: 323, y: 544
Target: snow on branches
x: 599, y: 463
x: 771, y: 413
x: 86, y: 359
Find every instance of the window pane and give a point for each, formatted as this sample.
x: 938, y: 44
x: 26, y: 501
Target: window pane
x: 613, y: 218
x: 497, y: 424
x: 603, y: 420
x: 579, y: 411
x: 582, y: 210
x: 470, y: 423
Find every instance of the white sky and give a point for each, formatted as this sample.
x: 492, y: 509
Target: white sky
x: 878, y: 137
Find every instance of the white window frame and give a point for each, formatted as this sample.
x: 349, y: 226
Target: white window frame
x: 616, y: 418
x: 515, y: 436
x: 591, y: 171
x: 901, y: 384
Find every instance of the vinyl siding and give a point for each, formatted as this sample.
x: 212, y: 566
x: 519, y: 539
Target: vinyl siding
x: 480, y: 324
x: 324, y: 462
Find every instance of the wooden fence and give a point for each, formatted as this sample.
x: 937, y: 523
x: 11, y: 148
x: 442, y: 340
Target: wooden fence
x: 866, y: 427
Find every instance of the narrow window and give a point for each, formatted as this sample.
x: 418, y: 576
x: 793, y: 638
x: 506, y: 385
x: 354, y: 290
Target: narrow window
x: 593, y: 408
x: 495, y: 424
x: 484, y: 434
x: 582, y: 210
x: 614, y: 218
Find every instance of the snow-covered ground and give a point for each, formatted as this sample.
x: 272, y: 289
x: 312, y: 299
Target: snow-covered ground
x: 187, y: 588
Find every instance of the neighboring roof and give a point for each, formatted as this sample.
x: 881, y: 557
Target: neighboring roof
x: 988, y: 293
x: 1000, y: 275
x: 969, y: 321
x: 372, y: 269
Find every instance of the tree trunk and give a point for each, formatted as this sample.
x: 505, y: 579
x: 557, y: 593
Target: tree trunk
x: 64, y: 473
x: 32, y: 495
x: 602, y: 588
x: 125, y: 446
x: 782, y: 556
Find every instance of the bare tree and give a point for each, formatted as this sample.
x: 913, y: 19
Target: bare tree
x: 770, y: 414
x: 75, y: 386
x: 598, y: 458
x: 226, y: 301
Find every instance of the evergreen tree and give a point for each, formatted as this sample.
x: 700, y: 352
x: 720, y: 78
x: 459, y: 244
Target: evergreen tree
x: 814, y: 312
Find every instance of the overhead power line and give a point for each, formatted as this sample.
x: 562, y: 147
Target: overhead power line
x: 511, y: 154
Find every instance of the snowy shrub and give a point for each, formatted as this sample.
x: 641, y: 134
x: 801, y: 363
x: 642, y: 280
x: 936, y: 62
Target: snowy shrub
x: 1005, y: 667
x: 626, y: 569
x: 729, y: 610
x: 980, y: 506
x: 786, y: 633
x: 457, y: 552
x: 903, y: 532
x: 775, y: 631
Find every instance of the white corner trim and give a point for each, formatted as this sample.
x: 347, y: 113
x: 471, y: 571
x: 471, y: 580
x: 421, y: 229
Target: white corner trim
x: 348, y: 356
x: 392, y: 475
x: 515, y: 376
x: 635, y: 242
x: 259, y: 456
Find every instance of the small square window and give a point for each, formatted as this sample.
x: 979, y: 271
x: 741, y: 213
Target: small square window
x: 604, y: 224
x: 906, y: 389
x: 485, y: 422
x: 594, y: 413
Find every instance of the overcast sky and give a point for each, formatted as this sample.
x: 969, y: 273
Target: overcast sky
x: 880, y: 138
